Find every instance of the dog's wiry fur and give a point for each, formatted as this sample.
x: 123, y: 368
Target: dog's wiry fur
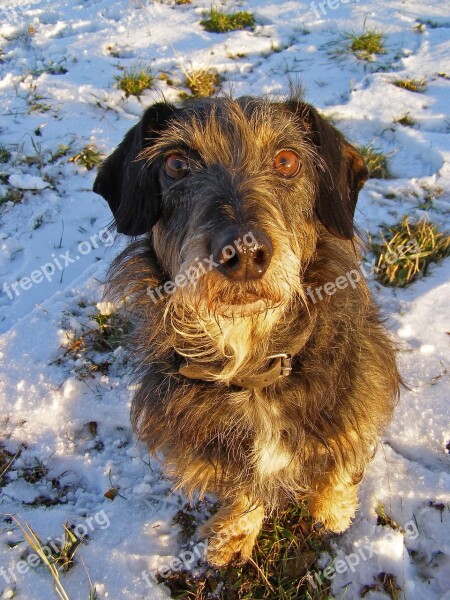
x: 310, y: 434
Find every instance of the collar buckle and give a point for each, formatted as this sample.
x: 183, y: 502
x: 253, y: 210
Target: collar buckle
x: 286, y: 363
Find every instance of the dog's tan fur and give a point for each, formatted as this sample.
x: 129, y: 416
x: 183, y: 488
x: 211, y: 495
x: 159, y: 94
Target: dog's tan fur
x: 310, y: 434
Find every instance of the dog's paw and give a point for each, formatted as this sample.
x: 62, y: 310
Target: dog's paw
x: 230, y: 538
x: 335, y: 509
x: 337, y: 523
x: 220, y: 553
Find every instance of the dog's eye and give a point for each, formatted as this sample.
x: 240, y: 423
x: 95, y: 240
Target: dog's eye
x: 287, y: 163
x: 176, y: 166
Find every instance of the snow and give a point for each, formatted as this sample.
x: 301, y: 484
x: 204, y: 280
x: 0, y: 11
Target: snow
x: 57, y: 87
x: 27, y: 182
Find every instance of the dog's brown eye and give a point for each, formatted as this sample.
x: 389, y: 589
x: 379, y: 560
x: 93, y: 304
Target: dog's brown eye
x: 176, y: 166
x: 287, y: 163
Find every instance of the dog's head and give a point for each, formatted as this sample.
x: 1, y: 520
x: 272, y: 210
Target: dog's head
x: 238, y: 189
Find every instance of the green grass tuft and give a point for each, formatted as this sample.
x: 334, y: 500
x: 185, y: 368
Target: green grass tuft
x: 12, y: 195
x: 92, y: 345
x: 134, y: 81
x: 5, y: 154
x: 221, y: 22
x: 385, y: 583
x: 366, y: 45
x: 418, y: 86
x: 203, y: 82
x: 376, y: 162
x: 105, y: 336
x: 236, y: 55
x: 89, y: 157
x: 35, y: 543
x: 61, y: 151
x: 384, y: 519
x: 6, y: 461
x: 407, y: 250
x: 406, y: 121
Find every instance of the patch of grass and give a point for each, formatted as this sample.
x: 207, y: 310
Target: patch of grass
x: 203, y: 82
x: 383, y: 582
x: 6, y: 461
x: 286, y: 551
x: 33, y: 473
x: 439, y: 506
x: 275, y: 47
x: 221, y: 22
x: 383, y: 519
x: 88, y: 346
x: 35, y: 543
x: 65, y: 555
x: 418, y: 86
x: 430, y: 23
x: 376, y: 161
x: 134, y: 81
x: 89, y: 157
x: 105, y: 338
x: 406, y: 121
x: 111, y: 329
x: 235, y: 56
x: 12, y: 195
x: 35, y: 104
x: 407, y: 251
x: 187, y: 522
x: 61, y: 151
x: 181, y: 2
x: 166, y: 77
x: 51, y: 68
x: 431, y: 194
x: 367, y: 44
x: 5, y: 154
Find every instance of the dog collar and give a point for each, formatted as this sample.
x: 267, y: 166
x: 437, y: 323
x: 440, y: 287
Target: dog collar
x: 281, y: 366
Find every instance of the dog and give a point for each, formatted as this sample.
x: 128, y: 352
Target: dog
x: 253, y: 389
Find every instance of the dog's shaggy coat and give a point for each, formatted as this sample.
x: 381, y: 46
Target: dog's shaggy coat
x: 309, y: 434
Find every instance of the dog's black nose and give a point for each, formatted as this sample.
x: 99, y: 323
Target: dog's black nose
x: 242, y: 255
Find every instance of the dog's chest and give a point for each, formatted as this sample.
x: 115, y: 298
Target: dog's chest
x: 270, y: 451
x: 270, y: 458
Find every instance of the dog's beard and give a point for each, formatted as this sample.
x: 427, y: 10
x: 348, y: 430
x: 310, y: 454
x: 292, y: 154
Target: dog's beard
x: 227, y: 324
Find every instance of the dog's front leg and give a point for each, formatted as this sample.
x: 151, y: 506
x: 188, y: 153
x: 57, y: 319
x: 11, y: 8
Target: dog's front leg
x: 334, y: 500
x: 232, y: 530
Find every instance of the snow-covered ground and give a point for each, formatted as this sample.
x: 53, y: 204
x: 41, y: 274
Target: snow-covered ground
x: 58, y: 62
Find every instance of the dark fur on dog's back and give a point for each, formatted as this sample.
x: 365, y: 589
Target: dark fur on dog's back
x: 312, y: 432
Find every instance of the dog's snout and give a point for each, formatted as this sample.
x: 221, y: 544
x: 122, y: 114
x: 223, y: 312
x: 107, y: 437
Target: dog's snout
x: 242, y: 256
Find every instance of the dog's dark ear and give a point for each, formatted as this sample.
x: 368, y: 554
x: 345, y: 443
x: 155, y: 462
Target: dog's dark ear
x: 341, y: 172
x: 128, y: 183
